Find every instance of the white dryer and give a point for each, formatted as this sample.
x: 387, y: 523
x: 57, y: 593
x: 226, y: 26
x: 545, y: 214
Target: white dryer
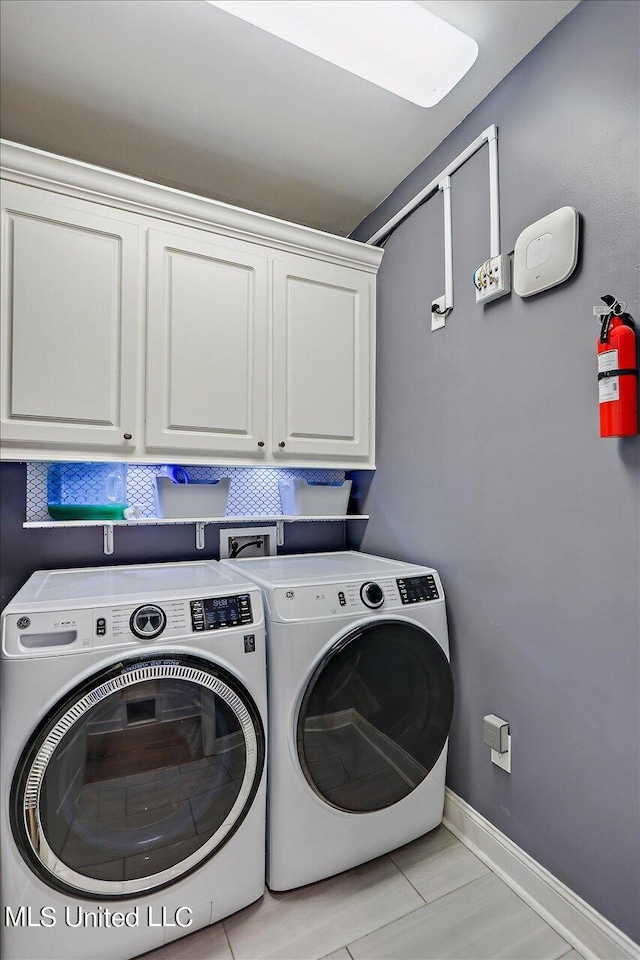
x: 133, y: 788
x: 360, y: 705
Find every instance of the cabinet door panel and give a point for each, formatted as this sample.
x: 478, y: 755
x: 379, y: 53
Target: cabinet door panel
x: 70, y: 310
x: 323, y: 343
x: 206, y: 333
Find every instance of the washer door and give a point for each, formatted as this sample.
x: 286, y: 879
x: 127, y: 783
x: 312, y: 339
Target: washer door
x: 375, y: 716
x: 138, y: 776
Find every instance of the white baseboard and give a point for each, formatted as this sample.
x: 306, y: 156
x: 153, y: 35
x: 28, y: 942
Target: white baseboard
x: 584, y: 928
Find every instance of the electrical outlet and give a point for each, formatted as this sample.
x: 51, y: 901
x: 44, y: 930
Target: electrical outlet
x: 493, y: 279
x: 503, y: 760
x: 235, y: 540
x: 437, y: 320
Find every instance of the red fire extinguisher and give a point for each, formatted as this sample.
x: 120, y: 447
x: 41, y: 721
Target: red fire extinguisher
x: 617, y: 373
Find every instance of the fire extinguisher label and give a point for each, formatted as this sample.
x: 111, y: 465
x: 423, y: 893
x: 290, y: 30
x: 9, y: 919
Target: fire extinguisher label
x: 609, y: 387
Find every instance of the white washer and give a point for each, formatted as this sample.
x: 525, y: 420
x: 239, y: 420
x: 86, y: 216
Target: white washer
x: 133, y: 725
x: 360, y: 704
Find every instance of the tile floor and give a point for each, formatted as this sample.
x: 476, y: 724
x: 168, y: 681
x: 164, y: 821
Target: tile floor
x: 430, y: 900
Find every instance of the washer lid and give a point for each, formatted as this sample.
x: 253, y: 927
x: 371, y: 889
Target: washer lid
x: 310, y: 568
x: 48, y: 589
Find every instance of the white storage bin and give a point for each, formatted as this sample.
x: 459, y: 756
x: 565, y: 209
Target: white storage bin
x: 191, y: 500
x: 299, y: 498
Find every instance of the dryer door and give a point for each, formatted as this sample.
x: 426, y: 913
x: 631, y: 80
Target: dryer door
x: 138, y: 776
x: 375, y: 716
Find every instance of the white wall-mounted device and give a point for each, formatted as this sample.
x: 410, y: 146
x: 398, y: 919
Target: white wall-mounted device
x: 495, y: 733
x: 546, y: 253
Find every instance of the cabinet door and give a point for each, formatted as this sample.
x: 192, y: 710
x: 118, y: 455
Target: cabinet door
x: 206, y: 345
x: 70, y: 313
x: 322, y: 361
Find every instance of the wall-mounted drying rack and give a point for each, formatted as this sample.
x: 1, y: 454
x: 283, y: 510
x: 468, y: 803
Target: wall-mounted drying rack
x: 442, y: 306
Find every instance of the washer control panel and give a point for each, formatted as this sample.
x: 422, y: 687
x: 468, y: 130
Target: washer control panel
x: 60, y: 632
x: 142, y: 621
x: 215, y: 613
x: 372, y: 595
x: 418, y: 589
x: 147, y: 622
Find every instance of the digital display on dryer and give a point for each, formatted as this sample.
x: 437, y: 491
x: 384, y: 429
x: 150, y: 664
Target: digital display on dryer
x: 214, y: 613
x: 418, y: 589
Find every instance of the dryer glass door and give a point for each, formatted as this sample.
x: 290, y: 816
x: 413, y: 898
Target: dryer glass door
x: 375, y: 716
x: 139, y: 776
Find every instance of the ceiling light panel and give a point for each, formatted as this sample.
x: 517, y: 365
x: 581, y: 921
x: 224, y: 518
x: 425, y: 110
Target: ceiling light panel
x: 395, y: 44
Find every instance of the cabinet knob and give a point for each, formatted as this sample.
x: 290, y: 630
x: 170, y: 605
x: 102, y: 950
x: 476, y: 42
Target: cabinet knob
x: 282, y: 443
x: 261, y: 443
x: 127, y: 436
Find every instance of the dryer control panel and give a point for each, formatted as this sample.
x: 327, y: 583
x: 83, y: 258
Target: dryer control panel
x: 418, y: 589
x: 383, y: 594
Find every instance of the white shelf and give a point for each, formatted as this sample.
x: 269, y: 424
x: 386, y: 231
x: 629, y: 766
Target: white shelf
x: 199, y: 523
x: 158, y: 521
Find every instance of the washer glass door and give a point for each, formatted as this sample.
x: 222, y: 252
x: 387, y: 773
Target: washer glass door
x: 139, y: 776
x: 375, y: 716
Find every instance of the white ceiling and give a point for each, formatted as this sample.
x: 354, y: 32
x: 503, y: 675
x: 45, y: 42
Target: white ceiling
x: 179, y: 92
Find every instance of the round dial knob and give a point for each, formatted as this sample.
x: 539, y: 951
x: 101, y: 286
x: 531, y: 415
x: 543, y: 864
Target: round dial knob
x: 148, y: 621
x: 372, y: 595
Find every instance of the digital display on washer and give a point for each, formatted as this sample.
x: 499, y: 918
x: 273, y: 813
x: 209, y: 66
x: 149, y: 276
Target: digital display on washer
x: 216, y: 612
x: 418, y: 589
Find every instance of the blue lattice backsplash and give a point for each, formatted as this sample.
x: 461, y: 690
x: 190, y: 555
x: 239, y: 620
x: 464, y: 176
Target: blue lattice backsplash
x: 253, y: 491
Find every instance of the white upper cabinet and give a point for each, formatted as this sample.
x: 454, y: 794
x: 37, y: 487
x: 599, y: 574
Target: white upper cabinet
x: 147, y: 325
x: 206, y: 345
x: 70, y: 315
x: 322, y: 360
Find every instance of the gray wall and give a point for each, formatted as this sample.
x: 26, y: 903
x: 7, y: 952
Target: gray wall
x: 491, y: 467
